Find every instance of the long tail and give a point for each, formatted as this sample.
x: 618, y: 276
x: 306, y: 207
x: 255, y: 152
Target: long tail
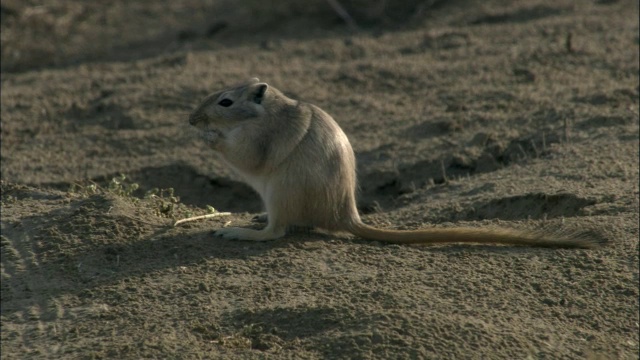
x: 555, y: 239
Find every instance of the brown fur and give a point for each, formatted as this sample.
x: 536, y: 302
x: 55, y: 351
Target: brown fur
x: 301, y: 163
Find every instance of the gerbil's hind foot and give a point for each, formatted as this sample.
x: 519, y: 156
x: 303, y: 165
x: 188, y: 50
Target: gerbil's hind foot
x: 235, y: 233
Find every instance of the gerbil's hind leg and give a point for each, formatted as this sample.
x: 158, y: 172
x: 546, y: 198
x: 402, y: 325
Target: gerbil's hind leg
x: 271, y: 232
x: 276, y: 224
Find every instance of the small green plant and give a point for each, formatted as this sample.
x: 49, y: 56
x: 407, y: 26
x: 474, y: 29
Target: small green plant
x: 118, y: 186
x: 9, y: 199
x: 84, y: 190
x: 165, y: 201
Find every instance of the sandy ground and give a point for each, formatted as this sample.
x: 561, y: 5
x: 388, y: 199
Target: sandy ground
x: 503, y: 113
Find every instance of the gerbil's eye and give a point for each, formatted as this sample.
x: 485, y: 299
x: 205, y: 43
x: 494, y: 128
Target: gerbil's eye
x: 225, y: 102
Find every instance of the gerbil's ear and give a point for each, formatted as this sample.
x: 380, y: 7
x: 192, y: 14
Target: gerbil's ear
x: 257, y: 92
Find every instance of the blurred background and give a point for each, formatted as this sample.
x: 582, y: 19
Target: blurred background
x: 38, y: 34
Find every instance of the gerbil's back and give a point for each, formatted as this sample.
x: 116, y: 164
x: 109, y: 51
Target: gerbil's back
x: 320, y: 175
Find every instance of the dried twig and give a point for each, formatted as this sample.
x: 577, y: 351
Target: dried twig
x: 444, y: 171
x: 523, y: 152
x: 340, y: 10
x: 568, y: 43
x: 207, y: 216
x: 535, y: 148
x: 567, y: 130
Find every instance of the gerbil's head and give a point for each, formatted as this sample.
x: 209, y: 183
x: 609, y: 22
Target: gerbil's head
x: 225, y: 109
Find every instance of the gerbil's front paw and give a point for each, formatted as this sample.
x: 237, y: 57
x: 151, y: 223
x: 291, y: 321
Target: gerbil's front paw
x: 262, y: 218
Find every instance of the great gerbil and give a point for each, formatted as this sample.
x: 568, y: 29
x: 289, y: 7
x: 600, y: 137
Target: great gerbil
x: 301, y: 163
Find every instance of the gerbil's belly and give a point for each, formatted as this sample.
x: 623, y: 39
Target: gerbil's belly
x: 257, y: 182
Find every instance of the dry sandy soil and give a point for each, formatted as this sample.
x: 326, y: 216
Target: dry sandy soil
x: 502, y: 113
